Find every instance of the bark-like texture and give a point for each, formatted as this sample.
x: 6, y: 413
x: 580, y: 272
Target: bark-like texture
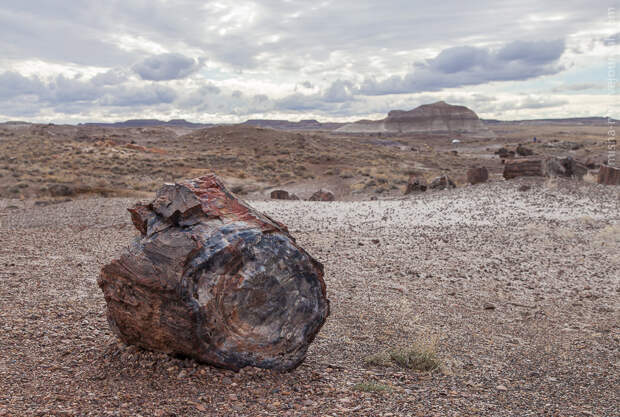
x: 523, y: 168
x: 609, y: 175
x: 215, y: 280
x: 477, y: 175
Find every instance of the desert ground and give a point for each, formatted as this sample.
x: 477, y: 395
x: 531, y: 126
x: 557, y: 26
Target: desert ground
x: 511, y: 295
x: 52, y: 162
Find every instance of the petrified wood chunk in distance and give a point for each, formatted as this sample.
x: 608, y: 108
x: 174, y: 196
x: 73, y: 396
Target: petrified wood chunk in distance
x: 609, y: 175
x: 213, y: 279
x: 523, y: 168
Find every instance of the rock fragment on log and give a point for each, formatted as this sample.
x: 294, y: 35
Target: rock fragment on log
x: 609, y: 175
x: 477, y: 175
x: 416, y: 185
x: 213, y: 279
x: 322, y: 195
x: 523, y: 168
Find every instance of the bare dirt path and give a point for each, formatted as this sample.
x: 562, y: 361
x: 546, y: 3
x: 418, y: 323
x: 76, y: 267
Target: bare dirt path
x: 519, y: 290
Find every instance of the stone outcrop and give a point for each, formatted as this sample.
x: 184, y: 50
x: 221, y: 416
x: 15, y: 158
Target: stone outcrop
x: 436, y: 117
x: 213, y: 279
x: 609, y: 175
x: 416, y: 185
x: 322, y: 195
x: 523, y: 168
x: 477, y: 175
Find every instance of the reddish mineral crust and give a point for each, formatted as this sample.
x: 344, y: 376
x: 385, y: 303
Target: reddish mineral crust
x: 213, y: 279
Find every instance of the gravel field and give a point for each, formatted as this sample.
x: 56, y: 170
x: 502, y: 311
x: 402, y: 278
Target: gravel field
x: 516, y: 291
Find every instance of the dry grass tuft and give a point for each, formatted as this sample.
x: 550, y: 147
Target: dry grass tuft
x: 419, y: 356
x: 372, y: 387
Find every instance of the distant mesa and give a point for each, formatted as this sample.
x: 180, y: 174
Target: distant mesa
x: 308, y: 124
x: 151, y: 123
x: 437, y: 117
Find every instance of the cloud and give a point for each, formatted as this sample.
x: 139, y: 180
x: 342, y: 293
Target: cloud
x: 576, y: 87
x: 108, y: 89
x: 113, y: 76
x: 319, y: 58
x: 13, y: 84
x: 531, y: 102
x: 170, y: 66
x: 468, y: 65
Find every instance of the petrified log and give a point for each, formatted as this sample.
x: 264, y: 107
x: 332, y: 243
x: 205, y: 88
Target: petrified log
x: 213, y: 279
x: 416, y: 185
x: 523, y: 168
x: 565, y: 167
x: 608, y: 175
x: 280, y: 195
x: 477, y: 175
x: 322, y: 195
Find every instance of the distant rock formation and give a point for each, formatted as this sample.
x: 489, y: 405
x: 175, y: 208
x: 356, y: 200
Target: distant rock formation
x: 427, y: 118
x: 150, y: 123
x: 308, y: 124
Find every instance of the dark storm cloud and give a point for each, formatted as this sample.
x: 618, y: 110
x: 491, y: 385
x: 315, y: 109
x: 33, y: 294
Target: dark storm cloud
x: 467, y: 65
x: 165, y: 67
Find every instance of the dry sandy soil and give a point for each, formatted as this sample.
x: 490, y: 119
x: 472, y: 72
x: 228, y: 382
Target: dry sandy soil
x: 517, y: 290
x: 55, y: 161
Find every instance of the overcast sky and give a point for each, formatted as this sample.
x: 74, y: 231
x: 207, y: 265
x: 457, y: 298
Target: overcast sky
x: 225, y: 61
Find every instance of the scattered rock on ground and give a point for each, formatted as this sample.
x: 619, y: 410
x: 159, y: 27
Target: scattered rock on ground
x: 565, y: 167
x: 525, y: 187
x: 322, y: 195
x: 567, y: 145
x: 504, y: 153
x: 215, y: 280
x: 523, y: 151
x: 61, y: 190
x: 441, y: 183
x: 416, y: 185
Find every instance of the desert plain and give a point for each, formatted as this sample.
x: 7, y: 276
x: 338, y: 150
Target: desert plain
x: 508, y: 289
